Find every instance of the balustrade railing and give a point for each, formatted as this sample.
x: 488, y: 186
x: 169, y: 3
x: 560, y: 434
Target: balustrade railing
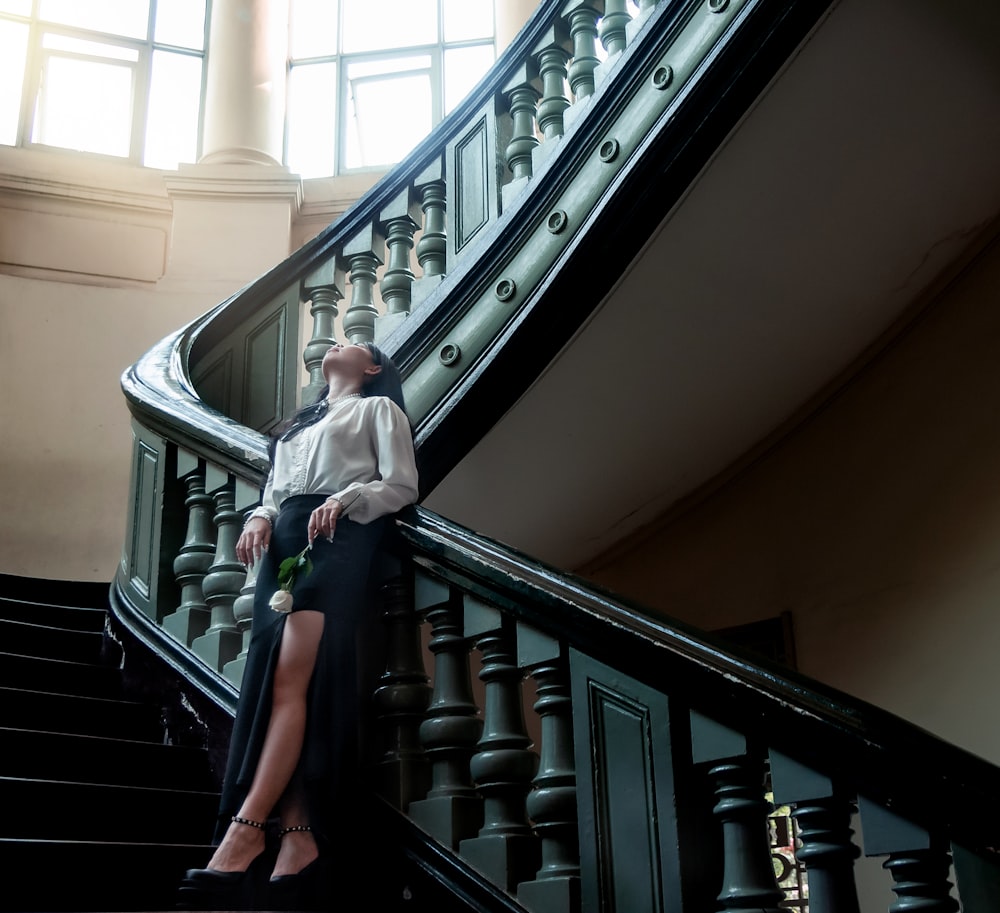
x: 572, y: 779
x: 657, y: 758
x: 204, y: 398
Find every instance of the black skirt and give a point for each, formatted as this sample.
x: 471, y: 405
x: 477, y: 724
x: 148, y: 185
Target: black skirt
x: 340, y: 586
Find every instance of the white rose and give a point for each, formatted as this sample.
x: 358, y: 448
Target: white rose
x: 281, y: 601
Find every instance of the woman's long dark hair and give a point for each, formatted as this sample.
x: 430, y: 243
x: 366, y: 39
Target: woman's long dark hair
x: 386, y: 383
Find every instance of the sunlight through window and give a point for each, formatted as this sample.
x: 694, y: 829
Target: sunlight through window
x: 14, y: 41
x: 120, y: 78
x: 85, y: 106
x: 175, y: 90
x: 369, y: 79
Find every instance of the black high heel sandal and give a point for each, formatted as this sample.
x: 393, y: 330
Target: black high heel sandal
x: 306, y: 890
x: 210, y: 889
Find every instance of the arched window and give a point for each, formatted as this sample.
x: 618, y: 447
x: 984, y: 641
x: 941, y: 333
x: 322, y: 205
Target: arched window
x: 120, y: 78
x: 368, y: 79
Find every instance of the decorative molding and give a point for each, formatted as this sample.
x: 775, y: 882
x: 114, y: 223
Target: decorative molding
x: 247, y: 182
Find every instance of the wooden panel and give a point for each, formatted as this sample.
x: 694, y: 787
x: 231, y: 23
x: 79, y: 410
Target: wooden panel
x: 472, y: 177
x: 214, y: 381
x: 262, y: 388
x: 143, y: 542
x: 251, y: 374
x: 625, y: 786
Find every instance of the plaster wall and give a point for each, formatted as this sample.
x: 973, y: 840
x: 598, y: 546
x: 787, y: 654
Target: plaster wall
x: 98, y: 262
x: 876, y: 524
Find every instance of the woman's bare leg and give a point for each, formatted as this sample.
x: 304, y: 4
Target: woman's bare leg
x: 282, y: 744
x: 298, y: 848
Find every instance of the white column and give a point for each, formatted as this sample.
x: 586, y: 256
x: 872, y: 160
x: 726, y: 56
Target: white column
x: 245, y: 93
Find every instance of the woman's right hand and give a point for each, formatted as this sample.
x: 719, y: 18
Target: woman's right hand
x: 253, y: 541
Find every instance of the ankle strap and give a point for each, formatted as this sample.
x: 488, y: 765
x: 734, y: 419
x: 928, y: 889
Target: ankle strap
x: 236, y: 819
x: 294, y: 830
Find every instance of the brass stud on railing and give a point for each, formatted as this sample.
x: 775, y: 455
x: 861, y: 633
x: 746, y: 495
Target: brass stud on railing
x: 609, y: 150
x: 449, y: 354
x: 717, y: 6
x: 505, y: 289
x: 662, y: 77
x: 557, y: 221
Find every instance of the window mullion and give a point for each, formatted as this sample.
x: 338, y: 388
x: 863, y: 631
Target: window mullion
x: 32, y: 83
x: 141, y: 78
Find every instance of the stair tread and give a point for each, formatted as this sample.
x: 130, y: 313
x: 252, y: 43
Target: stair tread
x: 156, y: 869
x: 106, y: 811
x: 82, y: 698
x: 89, y: 619
x: 29, y: 638
x: 55, y: 676
x: 27, y: 781
x: 23, y: 708
x: 43, y: 754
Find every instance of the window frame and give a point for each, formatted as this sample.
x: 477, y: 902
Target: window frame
x: 37, y: 56
x: 342, y: 62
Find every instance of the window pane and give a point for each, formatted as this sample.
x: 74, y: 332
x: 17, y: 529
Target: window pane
x: 381, y: 130
x: 468, y: 19
x: 14, y: 41
x: 85, y: 105
x: 89, y: 48
x: 174, y: 103
x: 119, y: 17
x: 312, y: 122
x: 383, y: 66
x: 181, y: 23
x: 314, y: 28
x: 20, y: 7
x: 380, y: 24
x: 463, y: 68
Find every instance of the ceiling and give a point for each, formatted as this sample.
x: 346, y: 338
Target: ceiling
x: 866, y: 168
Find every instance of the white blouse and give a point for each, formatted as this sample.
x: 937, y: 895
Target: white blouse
x: 360, y: 452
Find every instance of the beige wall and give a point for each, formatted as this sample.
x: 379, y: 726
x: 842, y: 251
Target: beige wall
x: 98, y: 262
x: 877, y: 524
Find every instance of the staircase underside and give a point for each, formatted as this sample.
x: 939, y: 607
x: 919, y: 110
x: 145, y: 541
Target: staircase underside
x: 860, y: 178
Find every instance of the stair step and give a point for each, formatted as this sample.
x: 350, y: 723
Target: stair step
x: 93, y: 759
x: 30, y: 639
x: 56, y: 876
x: 58, y: 616
x: 61, y: 810
x: 40, y: 710
x: 59, y: 676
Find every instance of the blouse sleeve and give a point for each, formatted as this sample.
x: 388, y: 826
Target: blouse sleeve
x: 268, y: 508
x: 396, y: 485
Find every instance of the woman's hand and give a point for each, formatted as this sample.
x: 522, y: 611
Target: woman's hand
x: 253, y: 541
x: 323, y: 520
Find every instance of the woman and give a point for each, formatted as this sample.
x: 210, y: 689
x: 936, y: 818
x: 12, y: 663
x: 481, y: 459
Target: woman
x: 339, y: 468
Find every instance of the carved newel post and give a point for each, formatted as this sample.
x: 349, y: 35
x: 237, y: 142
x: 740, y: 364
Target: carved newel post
x: 323, y: 288
x: 506, y: 850
x: 362, y: 256
x: 522, y: 93
x: 401, y: 701
x: 823, y: 818
x: 452, y: 810
x: 191, y: 619
x: 398, y: 222
x: 222, y: 641
x: 918, y: 860
x: 432, y: 248
x: 551, y: 805
x: 748, y: 881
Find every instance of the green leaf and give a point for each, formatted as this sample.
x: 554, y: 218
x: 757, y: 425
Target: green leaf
x: 288, y: 569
